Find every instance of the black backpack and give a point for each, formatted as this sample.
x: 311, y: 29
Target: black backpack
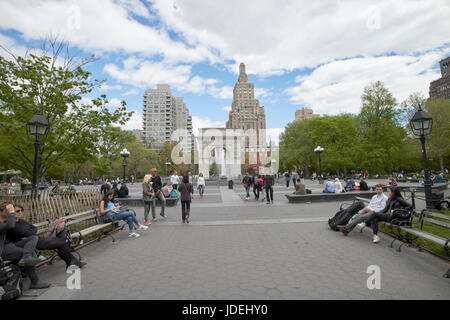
x: 343, y: 216
x: 11, y: 281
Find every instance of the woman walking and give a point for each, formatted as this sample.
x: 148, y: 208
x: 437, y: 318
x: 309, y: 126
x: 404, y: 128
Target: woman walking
x: 148, y: 195
x: 186, y: 195
x: 112, y: 211
x: 201, y: 185
x: 247, y: 182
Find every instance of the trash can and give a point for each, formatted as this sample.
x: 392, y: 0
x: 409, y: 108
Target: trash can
x: 230, y: 184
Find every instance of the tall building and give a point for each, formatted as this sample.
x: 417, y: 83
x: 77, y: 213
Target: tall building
x: 163, y: 114
x: 440, y: 88
x: 303, y: 114
x: 245, y: 110
x: 247, y: 114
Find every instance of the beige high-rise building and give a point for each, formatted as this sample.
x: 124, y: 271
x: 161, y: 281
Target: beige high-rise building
x: 245, y: 110
x: 163, y: 114
x: 303, y: 114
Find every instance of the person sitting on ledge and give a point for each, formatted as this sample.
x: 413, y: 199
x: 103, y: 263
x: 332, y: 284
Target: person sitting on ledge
x: 165, y: 190
x: 300, y: 188
x: 338, y: 185
x: 123, y: 192
x: 329, y: 187
x: 363, y: 185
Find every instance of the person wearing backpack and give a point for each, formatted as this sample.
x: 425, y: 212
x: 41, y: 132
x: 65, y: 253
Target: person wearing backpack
x: 256, y: 187
x: 186, y: 195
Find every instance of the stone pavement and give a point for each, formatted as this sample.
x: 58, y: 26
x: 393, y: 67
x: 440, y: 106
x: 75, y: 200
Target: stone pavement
x: 236, y: 249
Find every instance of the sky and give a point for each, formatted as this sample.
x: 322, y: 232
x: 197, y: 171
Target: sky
x: 313, y: 54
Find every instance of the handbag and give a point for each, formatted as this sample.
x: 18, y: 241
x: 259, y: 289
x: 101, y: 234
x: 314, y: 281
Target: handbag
x: 401, y: 214
x: 245, y: 186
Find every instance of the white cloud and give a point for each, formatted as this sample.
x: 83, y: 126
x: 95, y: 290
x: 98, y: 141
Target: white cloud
x: 135, y: 122
x: 114, y: 102
x: 106, y: 87
x: 337, y: 86
x: 145, y: 74
x: 226, y: 108
x: 131, y: 92
x: 104, y: 25
x: 262, y: 93
x: 225, y: 92
x: 273, y: 37
x: 204, y: 122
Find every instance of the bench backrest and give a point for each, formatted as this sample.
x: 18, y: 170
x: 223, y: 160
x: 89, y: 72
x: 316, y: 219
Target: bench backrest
x: 82, y: 218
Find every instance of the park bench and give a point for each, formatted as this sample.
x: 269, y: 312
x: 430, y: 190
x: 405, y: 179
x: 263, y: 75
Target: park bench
x: 405, y: 232
x: 78, y: 235
x: 138, y: 202
x: 315, y: 197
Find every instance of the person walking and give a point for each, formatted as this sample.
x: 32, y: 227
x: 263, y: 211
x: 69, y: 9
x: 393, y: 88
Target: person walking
x: 175, y: 180
x: 148, y: 196
x: 186, y: 195
x: 157, y: 185
x: 269, y: 188
x: 256, y: 188
x: 287, y: 178
x: 201, y: 185
x: 294, y: 178
x: 247, y: 183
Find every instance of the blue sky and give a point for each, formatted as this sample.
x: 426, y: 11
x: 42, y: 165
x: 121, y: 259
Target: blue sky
x: 298, y: 53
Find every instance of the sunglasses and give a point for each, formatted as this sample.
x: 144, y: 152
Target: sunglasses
x: 19, y: 210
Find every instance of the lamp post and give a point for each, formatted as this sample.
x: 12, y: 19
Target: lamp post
x: 421, y: 124
x: 124, y: 153
x: 368, y: 164
x: 167, y: 164
x: 318, y: 150
x: 37, y: 126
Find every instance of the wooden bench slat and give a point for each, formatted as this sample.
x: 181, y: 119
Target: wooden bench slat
x: 90, y: 229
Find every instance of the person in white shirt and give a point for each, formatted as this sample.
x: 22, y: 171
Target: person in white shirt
x: 338, y: 186
x: 201, y: 185
x: 377, y: 204
x: 175, y: 180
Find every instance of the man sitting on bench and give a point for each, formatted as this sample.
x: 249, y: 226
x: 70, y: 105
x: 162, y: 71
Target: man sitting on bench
x: 23, y: 229
x: 22, y: 252
x: 377, y: 204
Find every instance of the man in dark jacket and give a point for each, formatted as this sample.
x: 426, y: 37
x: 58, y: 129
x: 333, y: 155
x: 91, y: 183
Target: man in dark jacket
x: 157, y: 185
x: 363, y: 185
x: 23, y: 229
x: 105, y: 187
x: 269, y: 188
x: 123, y: 192
x: 20, y: 252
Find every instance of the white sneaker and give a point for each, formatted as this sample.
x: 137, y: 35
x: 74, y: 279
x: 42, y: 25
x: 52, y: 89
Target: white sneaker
x: 142, y: 227
x: 376, y: 238
x: 134, y: 235
x: 362, y: 225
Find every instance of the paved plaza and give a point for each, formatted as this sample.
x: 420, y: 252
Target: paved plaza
x: 236, y: 249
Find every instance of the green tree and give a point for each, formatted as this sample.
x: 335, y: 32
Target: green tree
x: 439, y: 140
x: 42, y: 82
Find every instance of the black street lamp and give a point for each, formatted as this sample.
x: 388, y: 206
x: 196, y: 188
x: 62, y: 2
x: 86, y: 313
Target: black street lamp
x: 421, y: 124
x: 368, y: 164
x: 167, y: 164
x: 318, y: 150
x: 37, y: 126
x: 124, y: 153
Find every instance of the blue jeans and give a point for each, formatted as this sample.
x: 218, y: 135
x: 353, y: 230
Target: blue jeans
x: 127, y: 216
x: 201, y: 189
x: 247, y: 190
